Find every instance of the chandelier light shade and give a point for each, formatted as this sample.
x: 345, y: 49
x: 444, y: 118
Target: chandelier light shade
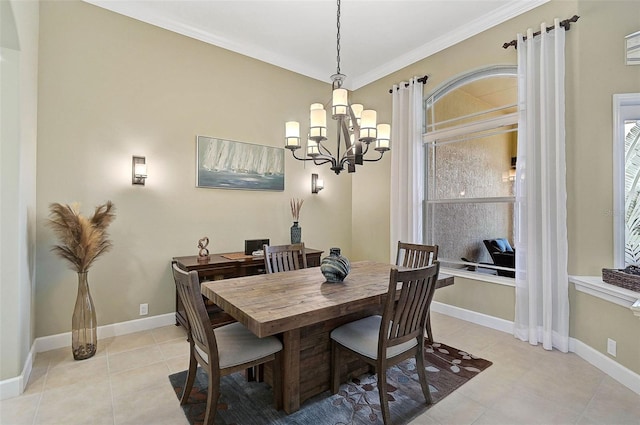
x: 317, y: 122
x: 340, y: 103
x: 383, y: 142
x: 312, y: 148
x: 357, y: 129
x: 292, y: 134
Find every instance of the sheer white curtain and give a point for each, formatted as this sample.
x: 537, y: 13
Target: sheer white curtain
x: 407, y: 175
x: 542, y: 298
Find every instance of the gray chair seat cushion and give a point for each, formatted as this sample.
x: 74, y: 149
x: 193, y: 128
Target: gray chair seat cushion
x: 361, y: 336
x: 238, y: 345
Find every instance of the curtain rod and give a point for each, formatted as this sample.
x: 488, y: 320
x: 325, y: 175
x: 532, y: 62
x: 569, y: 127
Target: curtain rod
x: 566, y: 24
x: 422, y: 80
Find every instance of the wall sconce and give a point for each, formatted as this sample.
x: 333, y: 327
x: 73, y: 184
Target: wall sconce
x: 316, y: 184
x: 138, y: 170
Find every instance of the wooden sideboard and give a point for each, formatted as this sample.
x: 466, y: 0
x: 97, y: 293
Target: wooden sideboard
x: 226, y: 266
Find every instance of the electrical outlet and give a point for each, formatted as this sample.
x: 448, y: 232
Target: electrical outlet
x: 144, y: 309
x: 611, y: 347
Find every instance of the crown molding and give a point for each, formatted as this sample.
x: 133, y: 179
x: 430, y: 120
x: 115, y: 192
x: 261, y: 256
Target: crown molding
x: 454, y: 37
x: 140, y: 11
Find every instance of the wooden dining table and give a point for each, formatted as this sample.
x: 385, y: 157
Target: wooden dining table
x: 303, y: 309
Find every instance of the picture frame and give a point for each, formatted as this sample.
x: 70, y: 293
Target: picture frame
x: 229, y: 164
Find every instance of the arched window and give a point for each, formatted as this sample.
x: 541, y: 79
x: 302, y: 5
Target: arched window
x: 471, y: 125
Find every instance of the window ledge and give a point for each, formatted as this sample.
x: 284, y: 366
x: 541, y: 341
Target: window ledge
x: 484, y: 277
x: 594, y: 285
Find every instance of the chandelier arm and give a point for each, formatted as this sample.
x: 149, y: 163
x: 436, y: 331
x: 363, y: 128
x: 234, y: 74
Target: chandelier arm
x: 322, y: 157
x: 354, y: 150
x: 340, y: 124
x: 374, y: 160
x: 349, y: 150
x: 321, y: 161
x: 326, y: 152
x: 300, y: 159
x: 344, y: 160
x: 345, y: 131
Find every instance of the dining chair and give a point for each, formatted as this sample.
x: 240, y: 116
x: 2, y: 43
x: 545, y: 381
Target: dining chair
x: 284, y: 258
x: 279, y: 258
x: 383, y: 341
x: 223, y: 350
x: 413, y: 255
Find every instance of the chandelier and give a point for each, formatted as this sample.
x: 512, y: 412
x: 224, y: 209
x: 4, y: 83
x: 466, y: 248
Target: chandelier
x: 356, y: 126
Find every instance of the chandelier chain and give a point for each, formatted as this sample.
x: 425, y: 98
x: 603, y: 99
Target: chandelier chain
x: 338, y: 39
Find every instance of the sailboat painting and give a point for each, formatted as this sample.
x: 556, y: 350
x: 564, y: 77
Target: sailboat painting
x: 227, y: 164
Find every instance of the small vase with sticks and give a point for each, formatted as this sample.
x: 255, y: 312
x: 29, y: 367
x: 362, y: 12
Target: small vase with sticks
x: 296, y: 230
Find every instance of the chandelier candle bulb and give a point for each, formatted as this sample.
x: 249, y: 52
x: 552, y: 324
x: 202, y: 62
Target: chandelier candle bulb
x: 384, y: 137
x: 292, y: 134
x: 356, y: 108
x: 340, y: 103
x: 312, y: 148
x: 368, y: 131
x: 317, y: 122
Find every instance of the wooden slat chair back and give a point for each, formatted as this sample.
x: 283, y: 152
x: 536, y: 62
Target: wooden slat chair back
x: 383, y: 341
x: 413, y: 256
x: 281, y: 258
x: 284, y: 258
x: 221, y: 351
x: 200, y: 328
x: 416, y: 255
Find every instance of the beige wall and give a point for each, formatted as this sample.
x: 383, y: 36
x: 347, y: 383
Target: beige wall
x: 112, y: 87
x: 18, y: 88
x: 595, y: 71
x: 599, y: 72
x: 490, y: 299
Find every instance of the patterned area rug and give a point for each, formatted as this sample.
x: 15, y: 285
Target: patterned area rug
x: 357, y: 403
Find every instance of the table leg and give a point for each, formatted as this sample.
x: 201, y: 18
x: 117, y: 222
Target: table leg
x: 291, y: 370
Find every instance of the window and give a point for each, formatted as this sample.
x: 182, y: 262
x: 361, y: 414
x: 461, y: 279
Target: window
x: 470, y: 158
x: 626, y: 175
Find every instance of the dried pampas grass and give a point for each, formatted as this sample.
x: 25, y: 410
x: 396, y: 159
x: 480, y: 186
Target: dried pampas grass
x: 296, y: 206
x: 82, y: 239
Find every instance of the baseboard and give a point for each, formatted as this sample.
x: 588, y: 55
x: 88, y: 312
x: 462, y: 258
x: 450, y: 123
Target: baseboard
x: 625, y: 376
x: 473, y: 316
x: 13, y: 387
x: 53, y: 342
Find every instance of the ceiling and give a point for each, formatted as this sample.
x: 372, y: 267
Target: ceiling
x: 377, y: 38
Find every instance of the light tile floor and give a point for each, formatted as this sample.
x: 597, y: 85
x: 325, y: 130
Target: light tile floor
x: 126, y: 383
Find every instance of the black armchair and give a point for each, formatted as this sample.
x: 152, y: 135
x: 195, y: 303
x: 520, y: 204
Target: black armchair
x: 502, y: 254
